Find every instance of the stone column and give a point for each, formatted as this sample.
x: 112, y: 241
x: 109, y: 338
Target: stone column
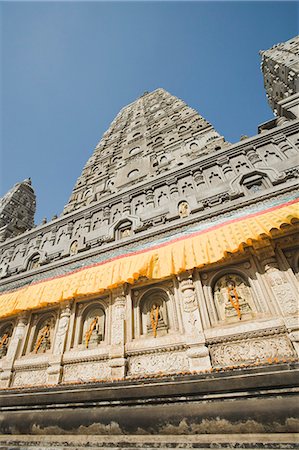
x: 253, y: 156
x: 282, y: 289
x: 117, y: 360
x: 173, y: 187
x: 197, y: 352
x: 227, y: 169
x: 13, y: 349
x: 54, y: 371
x: 106, y: 215
x: 126, y: 200
x: 150, y: 198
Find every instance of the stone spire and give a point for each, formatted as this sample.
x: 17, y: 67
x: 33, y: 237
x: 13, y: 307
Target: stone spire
x: 155, y: 133
x: 280, y: 67
x: 17, y: 209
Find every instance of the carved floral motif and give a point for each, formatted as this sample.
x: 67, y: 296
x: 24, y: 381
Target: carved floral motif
x: 251, y: 350
x: 158, y: 362
x: 30, y: 377
x: 98, y: 370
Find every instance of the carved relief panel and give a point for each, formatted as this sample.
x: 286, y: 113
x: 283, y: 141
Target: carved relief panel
x: 90, y: 325
x: 233, y: 298
x: 154, y: 311
x: 42, y: 333
x: 6, y: 330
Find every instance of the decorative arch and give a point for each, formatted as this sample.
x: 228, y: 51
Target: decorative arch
x: 33, y: 261
x: 93, y: 325
x: 154, y: 314
x: 268, y: 176
x: 44, y: 333
x: 232, y: 296
x: 6, y: 330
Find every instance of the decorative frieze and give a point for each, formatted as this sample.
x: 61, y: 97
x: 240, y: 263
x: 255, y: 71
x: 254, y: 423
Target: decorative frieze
x: 87, y: 371
x: 251, y: 350
x: 154, y: 363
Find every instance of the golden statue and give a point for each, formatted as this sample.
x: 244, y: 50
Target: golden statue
x: 93, y: 330
x: 184, y: 209
x: 43, y: 342
x: 156, y: 319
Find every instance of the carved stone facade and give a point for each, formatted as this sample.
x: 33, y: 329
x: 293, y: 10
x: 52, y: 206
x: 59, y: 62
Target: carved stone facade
x: 161, y: 168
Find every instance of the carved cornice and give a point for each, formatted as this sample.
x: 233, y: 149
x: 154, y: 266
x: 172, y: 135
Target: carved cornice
x: 146, y: 236
x: 201, y: 162
x: 247, y: 335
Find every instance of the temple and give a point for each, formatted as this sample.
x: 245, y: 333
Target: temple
x: 160, y: 309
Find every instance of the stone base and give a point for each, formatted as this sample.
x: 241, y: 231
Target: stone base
x: 254, y: 402
x: 92, y: 442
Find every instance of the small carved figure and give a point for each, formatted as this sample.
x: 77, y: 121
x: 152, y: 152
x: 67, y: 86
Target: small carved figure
x: 94, y: 334
x: 232, y: 297
x: 43, y: 342
x: 74, y: 248
x: 125, y: 233
x: 184, y: 209
x: 4, y: 344
x: 156, y: 319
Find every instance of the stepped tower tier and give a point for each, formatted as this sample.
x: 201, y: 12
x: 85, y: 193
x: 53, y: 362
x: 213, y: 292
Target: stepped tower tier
x: 280, y: 67
x: 156, y: 133
x: 17, y: 209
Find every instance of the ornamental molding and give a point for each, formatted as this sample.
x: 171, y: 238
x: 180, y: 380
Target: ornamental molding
x: 166, y: 349
x: 30, y: 367
x: 25, y: 278
x: 247, y: 335
x: 74, y: 359
x: 205, y: 161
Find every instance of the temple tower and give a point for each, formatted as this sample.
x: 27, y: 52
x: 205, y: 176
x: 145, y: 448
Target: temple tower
x: 156, y: 133
x: 17, y: 209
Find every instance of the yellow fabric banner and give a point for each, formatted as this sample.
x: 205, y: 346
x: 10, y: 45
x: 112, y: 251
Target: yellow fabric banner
x: 198, y: 249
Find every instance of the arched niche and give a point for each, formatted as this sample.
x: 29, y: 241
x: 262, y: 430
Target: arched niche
x: 33, y: 261
x: 43, y: 337
x: 154, y: 315
x: 232, y: 297
x: 92, y: 325
x: 6, y: 330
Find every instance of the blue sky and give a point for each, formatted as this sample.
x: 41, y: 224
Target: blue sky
x: 67, y: 68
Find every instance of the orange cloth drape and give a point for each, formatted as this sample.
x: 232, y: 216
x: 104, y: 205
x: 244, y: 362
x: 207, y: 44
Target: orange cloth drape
x: 195, y: 250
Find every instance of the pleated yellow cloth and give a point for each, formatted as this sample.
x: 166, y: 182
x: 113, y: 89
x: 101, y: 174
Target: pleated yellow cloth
x: 159, y: 261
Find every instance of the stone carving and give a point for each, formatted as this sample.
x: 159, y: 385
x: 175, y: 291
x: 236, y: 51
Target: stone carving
x: 154, y: 313
x: 62, y: 329
x: 282, y: 289
x: 184, y: 209
x: 30, y: 377
x: 156, y: 321
x: 44, y: 336
x: 251, y: 350
x: 190, y: 307
x: 232, y: 298
x: 165, y: 362
x: 87, y: 371
x: 117, y: 336
x: 5, y: 336
x: 94, y: 327
x: 74, y: 248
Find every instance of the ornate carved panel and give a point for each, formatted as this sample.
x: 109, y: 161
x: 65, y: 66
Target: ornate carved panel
x: 251, y: 350
x: 87, y: 371
x: 30, y: 377
x: 164, y: 362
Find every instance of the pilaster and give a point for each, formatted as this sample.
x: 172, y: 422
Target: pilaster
x: 117, y: 360
x: 197, y: 352
x: 13, y: 350
x: 54, y: 370
x: 280, y: 286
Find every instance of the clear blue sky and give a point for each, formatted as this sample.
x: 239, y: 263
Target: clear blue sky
x: 68, y: 68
